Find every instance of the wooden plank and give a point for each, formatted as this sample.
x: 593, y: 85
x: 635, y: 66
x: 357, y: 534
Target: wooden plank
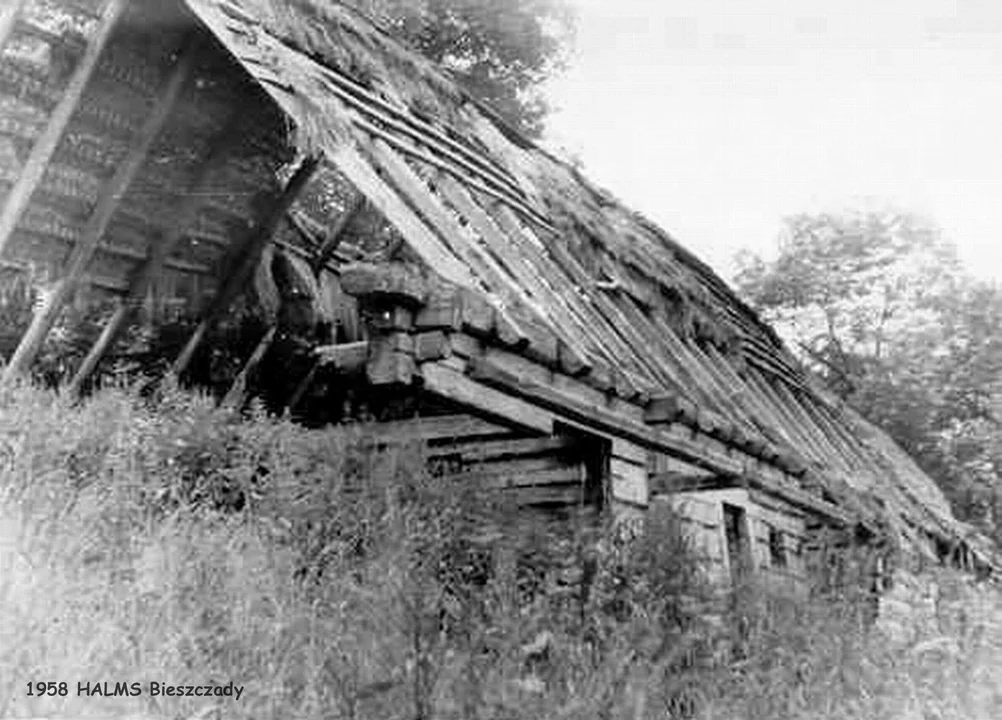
x: 646, y: 336
x: 336, y: 234
x: 570, y: 494
x: 715, y: 366
x: 449, y: 429
x: 522, y: 470
x: 547, y: 304
x: 488, y: 449
x: 147, y: 273
x: 574, y: 309
x: 848, y: 443
x: 435, y: 161
x: 478, y: 259
x: 301, y: 388
x: 250, y: 254
x: 454, y: 386
x: 669, y: 483
x: 9, y: 16
x: 761, y: 411
x: 741, y: 394
x: 97, y: 223
x: 810, y: 425
x: 800, y: 443
x: 604, y: 324
x: 702, y: 452
x: 647, y: 365
x: 593, y: 416
x: 630, y: 452
x: 421, y: 239
x: 45, y: 146
x: 628, y: 482
x: 421, y: 197
x: 543, y: 333
x: 809, y: 445
x: 576, y: 388
x: 235, y: 395
x: 344, y: 356
x: 588, y: 323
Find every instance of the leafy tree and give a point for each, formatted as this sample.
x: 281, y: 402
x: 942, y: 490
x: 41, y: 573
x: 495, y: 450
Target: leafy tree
x: 878, y: 305
x: 500, y: 50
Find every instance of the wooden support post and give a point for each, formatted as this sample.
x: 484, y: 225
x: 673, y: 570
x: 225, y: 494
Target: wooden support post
x: 250, y: 254
x: 148, y: 271
x: 235, y: 395
x: 302, y: 387
x: 107, y: 203
x: 8, y: 20
x: 45, y: 146
x: 336, y: 233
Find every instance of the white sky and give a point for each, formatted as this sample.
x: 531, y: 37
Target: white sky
x: 718, y: 117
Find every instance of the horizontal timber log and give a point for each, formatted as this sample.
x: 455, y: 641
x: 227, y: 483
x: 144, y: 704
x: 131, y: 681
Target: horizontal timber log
x: 668, y: 483
x: 437, y: 429
x: 455, y: 386
x: 488, y: 449
x: 345, y: 356
x: 688, y: 446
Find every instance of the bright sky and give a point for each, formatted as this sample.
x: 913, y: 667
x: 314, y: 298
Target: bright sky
x: 718, y: 117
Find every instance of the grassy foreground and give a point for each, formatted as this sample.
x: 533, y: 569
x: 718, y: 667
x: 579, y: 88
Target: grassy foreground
x: 167, y: 541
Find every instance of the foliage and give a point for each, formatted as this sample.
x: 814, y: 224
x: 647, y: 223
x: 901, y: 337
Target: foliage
x: 878, y: 305
x: 499, y: 51
x: 173, y: 539
x: 347, y: 583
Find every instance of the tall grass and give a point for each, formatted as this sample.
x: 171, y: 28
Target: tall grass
x: 164, y: 540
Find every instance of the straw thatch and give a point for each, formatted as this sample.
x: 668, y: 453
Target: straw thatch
x: 590, y: 288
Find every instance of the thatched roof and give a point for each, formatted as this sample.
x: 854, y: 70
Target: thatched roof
x: 589, y: 287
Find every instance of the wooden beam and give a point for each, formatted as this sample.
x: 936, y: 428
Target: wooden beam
x: 667, y: 483
x: 715, y: 368
x: 157, y: 258
x: 533, y: 272
x: 448, y: 228
x: 301, y: 388
x: 336, y: 234
x: 455, y: 386
x: 250, y: 254
x: 683, y: 444
x: 421, y: 239
x: 813, y: 427
x: 484, y: 450
x: 606, y: 320
x: 575, y: 298
x: 109, y: 199
x: 345, y: 356
x: 45, y: 146
x: 235, y: 395
x: 8, y: 20
x: 437, y: 429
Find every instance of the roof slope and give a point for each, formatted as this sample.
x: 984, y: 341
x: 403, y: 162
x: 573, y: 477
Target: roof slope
x: 614, y: 289
x: 585, y: 285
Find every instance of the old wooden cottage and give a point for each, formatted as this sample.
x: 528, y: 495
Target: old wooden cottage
x: 480, y: 293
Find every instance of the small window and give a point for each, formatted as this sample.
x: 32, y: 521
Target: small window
x: 777, y: 548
